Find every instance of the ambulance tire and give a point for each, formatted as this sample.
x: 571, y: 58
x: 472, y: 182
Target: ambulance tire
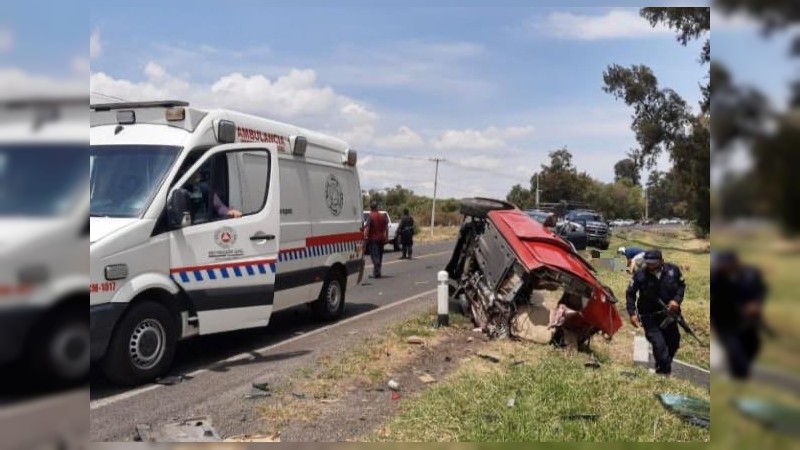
x: 330, y: 304
x: 59, y: 354
x: 143, y: 345
x: 479, y: 207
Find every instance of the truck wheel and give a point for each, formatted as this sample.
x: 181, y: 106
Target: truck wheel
x: 143, y: 345
x: 396, y: 243
x: 60, y: 352
x: 603, y: 246
x: 330, y: 304
x: 480, y: 207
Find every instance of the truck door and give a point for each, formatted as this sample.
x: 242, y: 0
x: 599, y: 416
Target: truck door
x: 224, y: 254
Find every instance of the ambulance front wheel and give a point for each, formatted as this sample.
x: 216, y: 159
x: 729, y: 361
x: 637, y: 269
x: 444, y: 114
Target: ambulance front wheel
x: 330, y: 304
x: 143, y: 345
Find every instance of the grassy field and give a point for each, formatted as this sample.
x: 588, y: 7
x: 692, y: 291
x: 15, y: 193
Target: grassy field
x: 439, y: 234
x: 680, y: 247
x: 550, y: 386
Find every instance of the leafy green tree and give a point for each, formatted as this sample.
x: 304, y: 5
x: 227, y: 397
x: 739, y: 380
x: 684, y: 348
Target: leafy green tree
x: 663, y: 122
x: 521, y: 197
x: 627, y: 169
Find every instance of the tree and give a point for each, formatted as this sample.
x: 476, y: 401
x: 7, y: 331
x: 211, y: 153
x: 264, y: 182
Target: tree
x: 521, y: 197
x: 626, y: 169
x: 663, y: 122
x: 560, y: 179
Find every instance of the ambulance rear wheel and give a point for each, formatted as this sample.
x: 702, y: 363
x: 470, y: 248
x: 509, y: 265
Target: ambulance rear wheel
x: 143, y: 345
x: 330, y: 304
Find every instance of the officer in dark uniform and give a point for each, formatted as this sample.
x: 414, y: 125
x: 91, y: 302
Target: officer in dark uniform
x: 657, y: 281
x: 737, y: 298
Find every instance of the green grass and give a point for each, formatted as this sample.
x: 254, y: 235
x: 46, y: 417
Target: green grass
x: 472, y: 406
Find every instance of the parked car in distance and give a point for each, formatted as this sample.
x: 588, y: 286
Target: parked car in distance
x: 394, y: 238
x: 572, y: 232
x: 596, y: 228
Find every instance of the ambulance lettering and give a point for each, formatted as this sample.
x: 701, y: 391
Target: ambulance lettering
x: 250, y: 135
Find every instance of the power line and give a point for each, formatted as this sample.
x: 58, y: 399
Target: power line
x: 113, y: 97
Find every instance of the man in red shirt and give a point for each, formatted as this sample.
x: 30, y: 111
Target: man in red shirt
x: 376, y: 233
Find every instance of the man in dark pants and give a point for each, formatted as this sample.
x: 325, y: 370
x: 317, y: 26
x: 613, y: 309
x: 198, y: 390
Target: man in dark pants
x: 737, y: 299
x: 658, y: 281
x: 406, y: 230
x: 376, y: 233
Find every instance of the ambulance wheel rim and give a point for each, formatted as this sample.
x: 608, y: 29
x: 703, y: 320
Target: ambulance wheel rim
x: 147, y: 344
x: 334, y: 295
x: 70, y: 350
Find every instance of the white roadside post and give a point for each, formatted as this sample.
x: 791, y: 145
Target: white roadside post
x: 443, y: 318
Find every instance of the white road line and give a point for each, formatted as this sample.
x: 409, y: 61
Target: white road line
x: 133, y: 393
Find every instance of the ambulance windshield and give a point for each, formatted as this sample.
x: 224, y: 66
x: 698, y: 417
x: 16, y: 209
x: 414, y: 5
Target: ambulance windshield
x: 124, y: 178
x: 41, y: 180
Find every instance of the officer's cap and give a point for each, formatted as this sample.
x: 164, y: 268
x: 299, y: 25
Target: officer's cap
x: 653, y: 257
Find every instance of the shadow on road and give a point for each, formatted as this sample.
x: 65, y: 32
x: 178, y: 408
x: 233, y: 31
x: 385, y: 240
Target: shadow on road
x: 200, y: 352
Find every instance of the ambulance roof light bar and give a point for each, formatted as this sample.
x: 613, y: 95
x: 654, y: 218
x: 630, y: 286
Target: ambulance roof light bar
x: 133, y: 105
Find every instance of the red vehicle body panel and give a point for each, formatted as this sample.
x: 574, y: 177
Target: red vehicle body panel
x: 537, y: 247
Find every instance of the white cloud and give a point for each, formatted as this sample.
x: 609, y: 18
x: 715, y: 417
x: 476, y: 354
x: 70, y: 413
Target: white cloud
x: 153, y: 70
x: 295, y: 96
x: 404, y: 138
x: 488, y: 139
x: 614, y: 24
x: 18, y: 83
x: 6, y: 40
x: 95, y: 46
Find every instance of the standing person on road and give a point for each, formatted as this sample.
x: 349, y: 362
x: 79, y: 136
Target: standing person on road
x: 376, y: 233
x: 737, y: 301
x: 657, y: 281
x: 406, y: 230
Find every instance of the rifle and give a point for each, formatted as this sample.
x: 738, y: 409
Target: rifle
x: 676, y: 317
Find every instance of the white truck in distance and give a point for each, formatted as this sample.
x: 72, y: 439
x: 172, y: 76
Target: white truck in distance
x: 394, y: 238
x: 208, y: 221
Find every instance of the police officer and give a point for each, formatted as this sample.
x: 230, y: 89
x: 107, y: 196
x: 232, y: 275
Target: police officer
x: 658, y: 281
x: 737, y: 298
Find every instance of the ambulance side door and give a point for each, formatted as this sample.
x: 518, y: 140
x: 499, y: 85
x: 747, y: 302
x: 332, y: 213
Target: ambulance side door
x: 224, y: 243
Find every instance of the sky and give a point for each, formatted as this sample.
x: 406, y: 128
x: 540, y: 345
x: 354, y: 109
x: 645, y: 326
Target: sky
x: 490, y: 89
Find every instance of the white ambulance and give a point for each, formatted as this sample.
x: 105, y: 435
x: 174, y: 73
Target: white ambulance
x: 44, y: 233
x: 209, y: 221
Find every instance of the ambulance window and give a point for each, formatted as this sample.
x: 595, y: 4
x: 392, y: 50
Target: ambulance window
x: 254, y: 172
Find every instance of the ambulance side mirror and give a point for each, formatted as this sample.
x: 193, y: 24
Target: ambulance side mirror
x: 178, y: 211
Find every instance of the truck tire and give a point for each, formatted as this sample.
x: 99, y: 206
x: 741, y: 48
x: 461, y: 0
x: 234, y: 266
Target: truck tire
x: 59, y: 354
x: 603, y: 246
x: 330, y: 303
x: 143, y: 345
x: 396, y: 243
x: 479, y: 207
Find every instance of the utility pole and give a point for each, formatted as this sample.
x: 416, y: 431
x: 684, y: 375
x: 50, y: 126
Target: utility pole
x: 646, y: 204
x: 435, y: 183
x: 537, y: 190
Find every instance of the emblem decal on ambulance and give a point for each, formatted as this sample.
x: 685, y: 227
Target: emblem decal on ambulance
x: 225, y: 237
x: 333, y: 195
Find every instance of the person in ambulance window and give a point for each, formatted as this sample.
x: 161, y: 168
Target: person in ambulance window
x: 198, y: 188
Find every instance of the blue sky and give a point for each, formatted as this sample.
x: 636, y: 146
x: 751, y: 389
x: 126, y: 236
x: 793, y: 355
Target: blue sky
x: 492, y: 89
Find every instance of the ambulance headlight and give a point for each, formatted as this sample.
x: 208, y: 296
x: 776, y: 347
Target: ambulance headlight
x: 116, y: 271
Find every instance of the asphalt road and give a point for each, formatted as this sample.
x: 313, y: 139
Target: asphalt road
x: 215, y: 386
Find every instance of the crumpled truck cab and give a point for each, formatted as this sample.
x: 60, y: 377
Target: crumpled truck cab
x: 502, y: 262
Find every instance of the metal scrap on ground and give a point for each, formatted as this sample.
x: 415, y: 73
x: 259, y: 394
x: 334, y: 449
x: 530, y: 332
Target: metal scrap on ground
x: 693, y: 410
x: 197, y: 429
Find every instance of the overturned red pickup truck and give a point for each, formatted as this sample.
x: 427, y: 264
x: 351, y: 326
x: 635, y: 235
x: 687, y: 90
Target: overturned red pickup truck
x: 501, y: 262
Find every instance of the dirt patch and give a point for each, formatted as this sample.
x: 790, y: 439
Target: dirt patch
x: 358, y: 404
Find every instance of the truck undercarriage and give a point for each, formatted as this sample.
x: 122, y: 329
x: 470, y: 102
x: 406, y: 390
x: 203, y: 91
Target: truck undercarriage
x: 503, y: 257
